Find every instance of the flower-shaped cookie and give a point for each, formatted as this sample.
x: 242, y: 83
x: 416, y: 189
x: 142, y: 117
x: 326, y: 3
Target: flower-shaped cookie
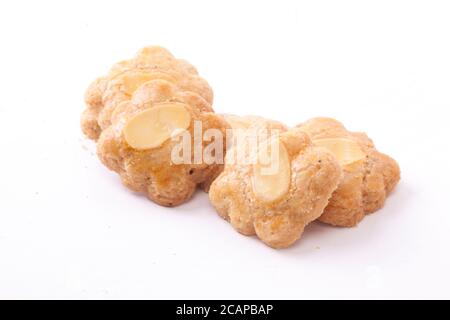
x: 369, y: 176
x: 105, y: 94
x: 285, y: 186
x: 146, y: 133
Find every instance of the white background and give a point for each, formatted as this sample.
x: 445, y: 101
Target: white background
x: 69, y: 229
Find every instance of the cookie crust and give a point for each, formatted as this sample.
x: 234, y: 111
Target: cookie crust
x: 314, y: 175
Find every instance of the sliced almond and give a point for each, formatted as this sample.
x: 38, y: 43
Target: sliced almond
x: 346, y: 151
x: 133, y: 81
x: 271, y: 179
x: 152, y: 127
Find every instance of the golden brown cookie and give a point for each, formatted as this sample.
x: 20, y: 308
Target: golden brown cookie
x: 145, y: 132
x: 275, y: 197
x: 369, y: 176
x: 106, y: 93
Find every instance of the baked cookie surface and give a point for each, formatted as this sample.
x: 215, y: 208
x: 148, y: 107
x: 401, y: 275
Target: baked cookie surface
x: 369, y: 176
x: 106, y: 93
x: 275, y: 205
x: 143, y: 135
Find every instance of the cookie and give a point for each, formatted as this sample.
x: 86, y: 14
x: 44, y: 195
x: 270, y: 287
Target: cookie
x: 106, y: 93
x: 284, y: 186
x: 369, y: 176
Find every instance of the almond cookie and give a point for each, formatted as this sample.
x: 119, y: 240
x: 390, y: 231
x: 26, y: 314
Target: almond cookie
x: 146, y: 132
x: 106, y: 93
x: 285, y: 186
x: 369, y: 176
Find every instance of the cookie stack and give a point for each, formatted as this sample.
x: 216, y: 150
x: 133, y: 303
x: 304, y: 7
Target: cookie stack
x: 153, y: 121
